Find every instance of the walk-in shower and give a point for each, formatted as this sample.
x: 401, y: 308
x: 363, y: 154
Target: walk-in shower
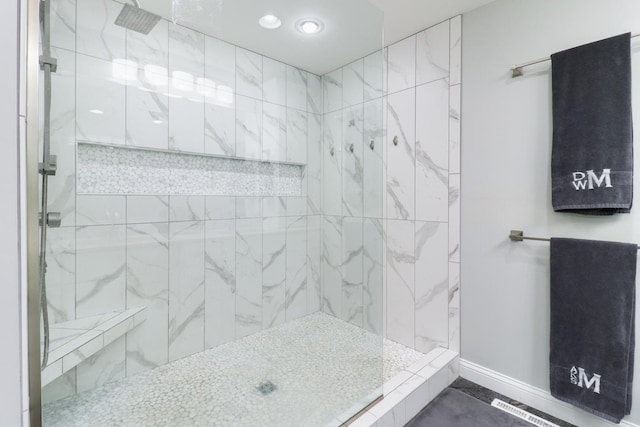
x: 251, y: 196
x: 219, y: 254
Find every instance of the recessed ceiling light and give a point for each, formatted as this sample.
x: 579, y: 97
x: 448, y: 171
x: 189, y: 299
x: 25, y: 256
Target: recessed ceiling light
x: 96, y: 111
x: 309, y: 26
x: 270, y: 22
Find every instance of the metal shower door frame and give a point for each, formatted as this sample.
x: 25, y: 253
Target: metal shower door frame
x: 31, y: 176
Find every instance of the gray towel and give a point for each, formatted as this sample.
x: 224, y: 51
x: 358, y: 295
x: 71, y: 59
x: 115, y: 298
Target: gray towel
x: 592, y: 156
x: 592, y: 325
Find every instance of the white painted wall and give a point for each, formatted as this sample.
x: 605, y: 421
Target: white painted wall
x: 10, y: 289
x: 506, y: 134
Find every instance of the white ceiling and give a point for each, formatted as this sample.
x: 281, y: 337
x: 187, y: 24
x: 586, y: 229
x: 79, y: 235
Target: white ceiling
x: 353, y: 28
x: 403, y: 18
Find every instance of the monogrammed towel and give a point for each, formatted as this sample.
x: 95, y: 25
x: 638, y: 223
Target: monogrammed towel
x: 592, y: 325
x: 592, y: 156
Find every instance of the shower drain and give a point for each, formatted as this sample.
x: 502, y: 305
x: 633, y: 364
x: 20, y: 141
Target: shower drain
x: 266, y: 387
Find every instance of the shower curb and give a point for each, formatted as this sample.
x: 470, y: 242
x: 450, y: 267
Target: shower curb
x: 409, y: 391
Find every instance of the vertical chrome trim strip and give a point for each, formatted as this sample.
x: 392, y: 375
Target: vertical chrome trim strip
x: 31, y: 215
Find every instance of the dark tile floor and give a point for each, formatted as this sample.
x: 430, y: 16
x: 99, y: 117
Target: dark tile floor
x: 486, y: 395
x: 453, y: 408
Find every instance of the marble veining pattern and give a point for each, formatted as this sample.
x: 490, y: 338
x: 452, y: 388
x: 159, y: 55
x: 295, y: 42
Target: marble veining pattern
x: 454, y: 306
x: 220, y: 129
x: 106, y: 366
x: 63, y: 24
x: 186, y: 53
x: 274, y: 81
x: 150, y: 50
x: 249, y: 276
x: 353, y: 83
x: 401, y: 282
x: 274, y: 274
x: 431, y: 286
x: 99, y: 101
x: 187, y: 124
x: 352, y: 280
x: 314, y: 250
x: 61, y: 273
x: 331, y: 265
x: 220, y: 63
x: 432, y: 151
x: 220, y: 282
x: 373, y: 76
x: 274, y: 132
x: 100, y: 269
x: 147, y: 117
x: 248, y: 73
x: 401, y: 64
x: 332, y: 91
x: 455, y: 46
x: 352, y: 162
x: 156, y: 172
x: 454, y: 129
x: 432, y: 53
x: 96, y: 35
x: 297, y: 88
x: 401, y: 156
x: 374, y: 170
x: 314, y: 164
x: 373, y: 275
x: 332, y: 154
x: 148, y: 285
x: 454, y: 218
x: 186, y: 288
x: 297, y: 136
x: 296, y: 280
x: 314, y: 94
x: 249, y: 129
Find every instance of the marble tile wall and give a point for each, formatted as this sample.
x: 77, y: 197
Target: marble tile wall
x: 391, y: 190
x: 210, y: 266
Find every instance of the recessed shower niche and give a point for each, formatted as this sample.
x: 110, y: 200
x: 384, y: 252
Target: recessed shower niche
x: 103, y: 169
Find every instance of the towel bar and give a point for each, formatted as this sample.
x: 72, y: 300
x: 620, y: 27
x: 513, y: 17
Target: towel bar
x: 518, y: 236
x: 516, y: 70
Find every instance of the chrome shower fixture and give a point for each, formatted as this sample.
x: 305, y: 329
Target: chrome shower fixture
x: 137, y: 19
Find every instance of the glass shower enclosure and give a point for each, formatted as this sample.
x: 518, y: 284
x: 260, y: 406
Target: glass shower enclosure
x: 212, y: 195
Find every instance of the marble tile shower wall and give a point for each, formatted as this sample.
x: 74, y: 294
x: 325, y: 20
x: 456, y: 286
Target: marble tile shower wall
x: 393, y: 122
x: 209, y: 269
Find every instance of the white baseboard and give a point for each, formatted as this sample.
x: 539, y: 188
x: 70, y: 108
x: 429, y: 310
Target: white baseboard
x: 532, y: 396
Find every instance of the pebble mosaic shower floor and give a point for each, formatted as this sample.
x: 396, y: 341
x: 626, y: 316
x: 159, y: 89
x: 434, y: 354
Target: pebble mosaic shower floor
x: 302, y: 373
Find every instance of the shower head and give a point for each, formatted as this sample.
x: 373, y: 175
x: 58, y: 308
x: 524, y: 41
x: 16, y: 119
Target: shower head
x: 136, y: 19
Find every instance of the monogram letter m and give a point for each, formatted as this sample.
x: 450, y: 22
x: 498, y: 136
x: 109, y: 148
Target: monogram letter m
x: 594, y: 381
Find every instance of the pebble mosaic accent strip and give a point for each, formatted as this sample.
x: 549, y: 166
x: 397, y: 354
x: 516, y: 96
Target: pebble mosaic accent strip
x: 105, y: 169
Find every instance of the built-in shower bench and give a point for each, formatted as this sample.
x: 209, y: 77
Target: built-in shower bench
x: 74, y: 341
